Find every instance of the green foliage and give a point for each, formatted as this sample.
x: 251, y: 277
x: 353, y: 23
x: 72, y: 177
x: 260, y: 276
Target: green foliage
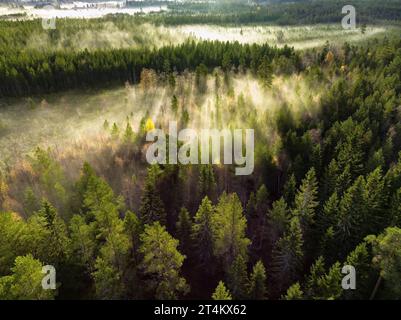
x: 152, y: 207
x: 12, y: 240
x: 361, y: 259
x: 306, y: 200
x: 288, y: 254
x: 294, y: 292
x: 279, y: 217
x: 202, y: 233
x: 115, y: 131
x: 347, y: 133
x: 207, y: 183
x: 83, y: 243
x: 129, y: 135
x: 265, y: 72
x: 184, y: 227
x: 290, y: 189
x: 25, y: 282
x: 237, y: 278
x: 221, y: 293
x: 162, y: 262
x: 386, y: 249
x: 57, y: 248
x: 257, y: 287
x: 229, y: 225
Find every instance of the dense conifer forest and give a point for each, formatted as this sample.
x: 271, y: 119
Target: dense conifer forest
x: 325, y: 191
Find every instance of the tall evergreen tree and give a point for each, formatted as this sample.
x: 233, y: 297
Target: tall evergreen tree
x: 162, y: 263
x: 288, y: 255
x: 237, y: 278
x: 25, y: 282
x: 294, y: 292
x: 207, y: 183
x: 360, y: 258
x: 306, y: 200
x: 386, y: 249
x: 221, y: 293
x: 152, y: 207
x: 257, y: 287
x: 58, y: 242
x: 184, y: 227
x: 229, y: 226
x: 202, y: 234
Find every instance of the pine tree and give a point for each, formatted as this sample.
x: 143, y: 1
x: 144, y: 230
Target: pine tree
x: 290, y: 189
x: 306, y: 200
x: 152, y: 207
x: 265, y: 72
x: 360, y: 258
x: 329, y: 286
x: 184, y: 226
x: 257, y: 288
x: 115, y: 131
x: 106, y: 125
x: 174, y: 104
x: 221, y: 293
x: 288, y: 255
x: 279, y: 217
x: 83, y: 244
x: 327, y: 222
x: 31, y: 203
x: 128, y: 134
x: 376, y: 198
x: 394, y: 214
x: 294, y: 292
x: 25, y: 282
x: 262, y: 200
x: 111, y: 264
x: 229, y: 226
x: 13, y: 240
x: 133, y: 228
x: 329, y: 215
x: 57, y: 249
x: 162, y: 263
x: 207, y: 183
x: 237, y: 278
x: 386, y: 249
x: 351, y: 214
x: 317, y: 271
x: 202, y: 234
x: 107, y: 281
x: 251, y: 206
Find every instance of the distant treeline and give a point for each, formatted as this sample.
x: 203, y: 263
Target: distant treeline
x: 301, y: 12
x: 33, y: 72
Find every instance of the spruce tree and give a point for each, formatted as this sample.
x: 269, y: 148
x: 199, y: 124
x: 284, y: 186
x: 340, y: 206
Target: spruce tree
x: 294, y: 292
x: 207, y: 183
x: 229, y: 226
x: 128, y: 134
x: 162, y: 263
x: 152, y: 207
x: 57, y: 250
x: 184, y: 227
x: 386, y: 250
x: 25, y: 281
x: 288, y: 255
x: 306, y: 200
x: 290, y: 189
x: 221, y: 293
x: 237, y: 278
x: 202, y: 234
x: 361, y: 259
x: 257, y: 287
